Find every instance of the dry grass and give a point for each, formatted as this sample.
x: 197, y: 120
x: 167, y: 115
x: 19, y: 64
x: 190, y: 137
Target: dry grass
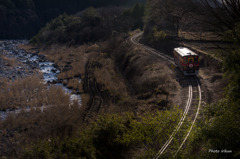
x: 10, y: 62
x: 200, y: 36
x: 75, y: 84
x: 70, y: 60
x: 28, y: 48
x: 152, y: 80
x: 20, y: 130
x: 62, y: 55
x: 147, y: 72
x: 58, y: 119
x: 29, y: 91
x: 217, y: 50
x: 112, y: 80
x: 129, y: 78
x: 135, y: 80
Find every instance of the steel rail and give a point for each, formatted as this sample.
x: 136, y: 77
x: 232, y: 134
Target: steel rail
x: 189, y: 101
x: 195, y: 118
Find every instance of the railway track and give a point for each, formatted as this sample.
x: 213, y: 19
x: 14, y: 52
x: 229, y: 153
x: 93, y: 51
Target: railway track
x: 95, y: 102
x: 153, y: 51
x: 176, y: 141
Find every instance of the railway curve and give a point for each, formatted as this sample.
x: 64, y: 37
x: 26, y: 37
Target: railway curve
x: 191, y: 110
x: 96, y: 100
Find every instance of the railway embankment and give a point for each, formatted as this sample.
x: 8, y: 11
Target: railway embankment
x: 124, y: 77
x: 206, y: 59
x: 210, y: 73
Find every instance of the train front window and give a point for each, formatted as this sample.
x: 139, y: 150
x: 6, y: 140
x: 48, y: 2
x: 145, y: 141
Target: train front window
x: 190, y: 60
x: 196, y: 60
x: 185, y: 60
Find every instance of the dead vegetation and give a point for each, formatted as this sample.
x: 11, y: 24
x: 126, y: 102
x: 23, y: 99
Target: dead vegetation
x: 70, y: 60
x: 29, y: 92
x: 42, y: 112
x: 152, y: 81
x: 116, y: 76
x: 10, y: 62
x: 201, y: 35
x: 20, y: 130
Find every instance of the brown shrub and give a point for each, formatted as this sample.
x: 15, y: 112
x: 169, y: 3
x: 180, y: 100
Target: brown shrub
x: 74, y: 84
x: 55, y: 118
x: 11, y: 62
x: 20, y: 130
x: 110, y: 79
x: 143, y: 70
x: 30, y: 91
x: 92, y: 48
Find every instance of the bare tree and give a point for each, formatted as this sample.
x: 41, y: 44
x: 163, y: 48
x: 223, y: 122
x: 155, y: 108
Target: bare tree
x: 168, y: 14
x: 178, y: 9
x: 226, y: 12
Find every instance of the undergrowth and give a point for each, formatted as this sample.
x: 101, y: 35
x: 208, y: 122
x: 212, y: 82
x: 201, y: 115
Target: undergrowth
x: 29, y: 92
x: 111, y: 136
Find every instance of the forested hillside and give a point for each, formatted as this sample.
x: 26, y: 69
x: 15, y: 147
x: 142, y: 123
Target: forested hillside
x: 23, y: 18
x: 90, y: 25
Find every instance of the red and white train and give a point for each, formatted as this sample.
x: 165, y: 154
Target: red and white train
x: 186, y: 60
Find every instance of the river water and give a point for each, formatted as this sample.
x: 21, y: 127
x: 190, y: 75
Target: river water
x: 49, y: 69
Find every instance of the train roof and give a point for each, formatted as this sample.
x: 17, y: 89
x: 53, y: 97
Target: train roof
x: 183, y: 51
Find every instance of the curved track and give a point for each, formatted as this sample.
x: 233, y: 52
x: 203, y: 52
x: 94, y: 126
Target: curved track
x: 96, y: 100
x: 191, y: 111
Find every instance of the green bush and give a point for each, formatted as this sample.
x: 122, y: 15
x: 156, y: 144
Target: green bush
x: 159, y: 35
x: 86, y: 26
x: 219, y: 128
x: 111, y: 136
x: 57, y: 31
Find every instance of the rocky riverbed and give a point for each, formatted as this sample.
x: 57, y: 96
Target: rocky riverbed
x: 17, y: 63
